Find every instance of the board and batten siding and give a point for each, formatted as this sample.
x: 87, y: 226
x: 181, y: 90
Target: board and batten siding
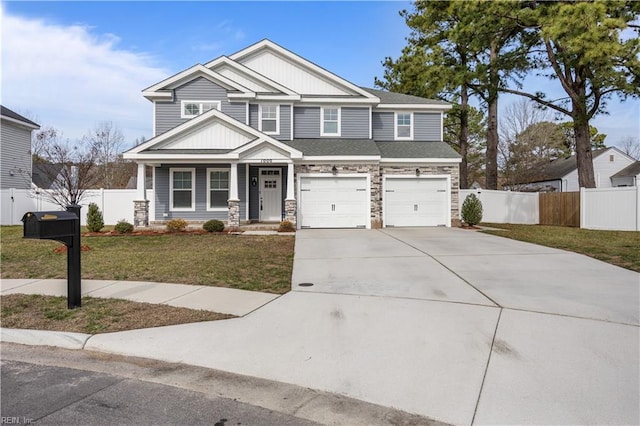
x: 168, y: 114
x: 354, y: 122
x: 16, y: 156
x: 284, y: 133
x: 162, y: 186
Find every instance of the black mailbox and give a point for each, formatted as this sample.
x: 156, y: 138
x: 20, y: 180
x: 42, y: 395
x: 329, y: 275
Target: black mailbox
x: 63, y: 226
x: 60, y: 225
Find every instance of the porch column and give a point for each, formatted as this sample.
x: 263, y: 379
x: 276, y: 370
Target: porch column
x: 233, y: 202
x: 141, y: 204
x: 290, y: 206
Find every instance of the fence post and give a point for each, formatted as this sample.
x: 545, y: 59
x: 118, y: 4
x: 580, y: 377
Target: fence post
x: 637, y: 207
x: 583, y: 207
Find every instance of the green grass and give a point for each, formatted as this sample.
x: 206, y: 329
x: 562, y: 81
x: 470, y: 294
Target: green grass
x: 259, y: 263
x: 621, y: 248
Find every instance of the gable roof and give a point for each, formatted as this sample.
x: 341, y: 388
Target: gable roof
x: 44, y: 174
x: 10, y: 115
x: 294, y: 61
x: 631, y: 170
x: 557, y: 169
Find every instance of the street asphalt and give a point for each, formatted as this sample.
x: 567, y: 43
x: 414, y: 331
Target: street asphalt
x: 455, y: 325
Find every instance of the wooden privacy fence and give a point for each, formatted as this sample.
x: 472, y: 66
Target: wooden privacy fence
x: 560, y: 208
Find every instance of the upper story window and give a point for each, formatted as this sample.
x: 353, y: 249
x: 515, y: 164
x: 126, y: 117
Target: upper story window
x: 330, y: 121
x: 190, y: 109
x: 404, y: 125
x: 269, y: 119
x: 182, y: 194
x: 217, y: 189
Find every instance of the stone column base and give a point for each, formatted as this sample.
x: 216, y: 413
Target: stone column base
x: 234, y: 214
x: 141, y: 213
x: 290, y: 207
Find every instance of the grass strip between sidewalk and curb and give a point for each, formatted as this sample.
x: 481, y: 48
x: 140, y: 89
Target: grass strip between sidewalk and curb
x: 37, y: 312
x: 620, y: 248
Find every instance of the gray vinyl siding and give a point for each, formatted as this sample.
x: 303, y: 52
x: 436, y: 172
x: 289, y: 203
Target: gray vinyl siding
x: 168, y: 113
x: 306, y: 122
x: 426, y: 126
x: 285, y: 121
x: 16, y: 156
x: 162, y: 193
x: 254, y: 194
x: 383, y: 126
x: 354, y: 123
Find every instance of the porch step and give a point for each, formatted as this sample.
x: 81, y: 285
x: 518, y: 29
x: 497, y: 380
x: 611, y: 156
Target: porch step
x: 260, y: 227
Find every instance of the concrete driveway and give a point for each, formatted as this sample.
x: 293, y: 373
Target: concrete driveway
x: 462, y: 327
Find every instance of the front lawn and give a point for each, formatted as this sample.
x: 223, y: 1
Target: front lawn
x: 621, y: 248
x: 258, y: 263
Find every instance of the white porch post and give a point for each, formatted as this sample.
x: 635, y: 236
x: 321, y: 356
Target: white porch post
x: 290, y: 185
x: 233, y: 182
x: 233, y: 221
x: 141, y: 204
x: 290, y: 206
x: 141, y: 190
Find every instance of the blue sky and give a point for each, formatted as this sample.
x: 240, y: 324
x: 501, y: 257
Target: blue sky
x: 72, y: 64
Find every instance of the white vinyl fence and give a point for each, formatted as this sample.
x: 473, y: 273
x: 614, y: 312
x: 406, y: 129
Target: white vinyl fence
x: 115, y: 204
x: 610, y: 208
x: 506, y: 206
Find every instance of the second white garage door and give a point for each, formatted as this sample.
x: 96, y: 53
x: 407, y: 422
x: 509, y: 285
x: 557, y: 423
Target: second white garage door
x: 416, y: 201
x: 334, y: 202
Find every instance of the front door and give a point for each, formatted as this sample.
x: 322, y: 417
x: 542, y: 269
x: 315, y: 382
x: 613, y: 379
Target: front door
x: 270, y: 195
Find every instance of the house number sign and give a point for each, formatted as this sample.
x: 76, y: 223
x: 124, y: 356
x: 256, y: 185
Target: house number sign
x: 266, y: 160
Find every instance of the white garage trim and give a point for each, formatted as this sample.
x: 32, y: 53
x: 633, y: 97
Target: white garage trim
x: 431, y: 177
x: 364, y: 214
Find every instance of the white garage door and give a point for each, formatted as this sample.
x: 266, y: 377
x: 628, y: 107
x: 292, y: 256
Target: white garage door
x: 334, y: 202
x: 416, y: 201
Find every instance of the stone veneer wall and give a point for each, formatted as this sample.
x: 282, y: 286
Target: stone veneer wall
x: 376, y: 182
x: 445, y: 169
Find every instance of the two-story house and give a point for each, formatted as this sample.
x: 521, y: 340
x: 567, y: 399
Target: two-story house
x: 15, y: 149
x: 265, y: 135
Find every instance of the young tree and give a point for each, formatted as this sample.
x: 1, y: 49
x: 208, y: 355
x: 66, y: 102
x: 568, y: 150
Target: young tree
x: 581, y: 45
x: 76, y: 171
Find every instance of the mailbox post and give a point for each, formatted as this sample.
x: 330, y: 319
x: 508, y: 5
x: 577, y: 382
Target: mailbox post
x: 63, y: 226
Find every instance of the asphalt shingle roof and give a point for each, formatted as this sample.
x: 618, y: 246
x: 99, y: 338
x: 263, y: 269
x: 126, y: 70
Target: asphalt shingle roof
x: 6, y: 112
x: 399, y: 98
x: 405, y: 149
x: 44, y: 174
x: 559, y: 168
x: 631, y: 170
x: 368, y: 147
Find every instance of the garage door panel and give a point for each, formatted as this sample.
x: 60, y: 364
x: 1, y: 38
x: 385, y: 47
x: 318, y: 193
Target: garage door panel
x: 416, y: 201
x: 334, y: 202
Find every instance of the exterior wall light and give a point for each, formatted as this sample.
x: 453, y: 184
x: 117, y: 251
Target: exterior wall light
x: 334, y: 170
x: 418, y: 172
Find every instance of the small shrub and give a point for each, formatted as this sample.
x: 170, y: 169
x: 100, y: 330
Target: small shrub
x: 95, y: 221
x: 176, y: 225
x: 471, y: 210
x: 123, y: 227
x: 286, y: 226
x: 213, y: 225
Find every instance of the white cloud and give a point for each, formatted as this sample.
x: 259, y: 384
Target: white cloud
x: 71, y: 78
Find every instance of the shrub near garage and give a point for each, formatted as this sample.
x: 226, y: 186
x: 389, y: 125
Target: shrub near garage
x: 123, y: 227
x: 471, y: 210
x: 176, y: 225
x: 95, y: 221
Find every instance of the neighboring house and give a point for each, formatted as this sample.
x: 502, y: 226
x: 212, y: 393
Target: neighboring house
x: 561, y: 175
x: 265, y: 135
x: 15, y: 149
x: 45, y: 175
x: 629, y: 176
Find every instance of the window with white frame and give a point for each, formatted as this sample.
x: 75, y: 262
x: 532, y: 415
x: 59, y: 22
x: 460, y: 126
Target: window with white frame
x: 190, y: 109
x: 182, y: 191
x: 330, y: 125
x: 269, y: 119
x: 404, y: 125
x: 217, y: 189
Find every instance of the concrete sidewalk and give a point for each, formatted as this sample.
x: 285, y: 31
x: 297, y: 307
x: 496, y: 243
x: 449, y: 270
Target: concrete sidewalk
x: 216, y: 299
